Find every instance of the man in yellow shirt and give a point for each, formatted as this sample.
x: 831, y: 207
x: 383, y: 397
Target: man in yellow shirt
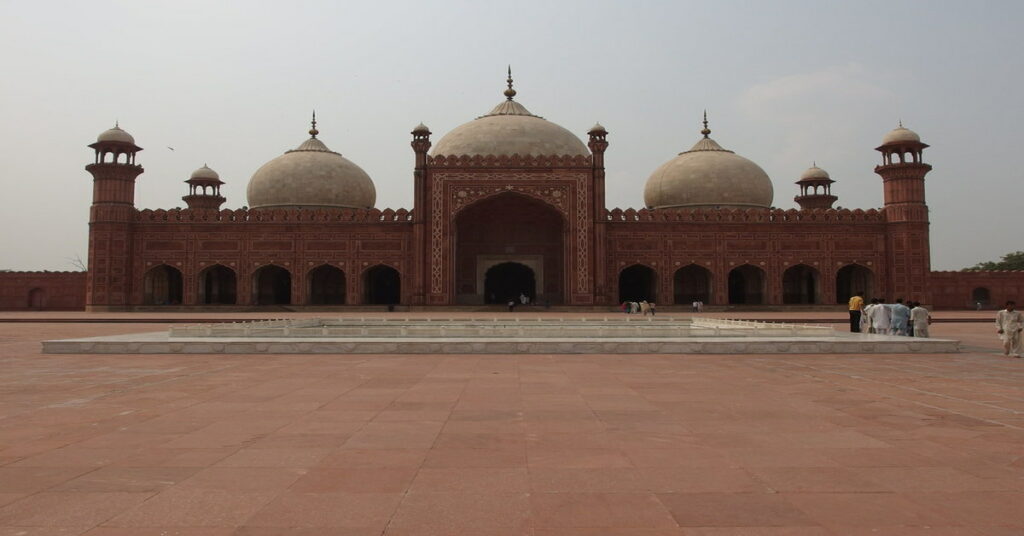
x: 856, y: 306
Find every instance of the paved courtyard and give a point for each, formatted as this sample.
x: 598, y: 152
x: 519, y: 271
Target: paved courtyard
x: 501, y: 445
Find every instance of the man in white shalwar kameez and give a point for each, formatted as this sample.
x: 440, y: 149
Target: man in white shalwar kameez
x: 1010, y: 323
x: 881, y: 318
x: 920, y: 319
x: 865, y: 317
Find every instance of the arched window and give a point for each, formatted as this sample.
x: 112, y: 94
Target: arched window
x: 508, y: 281
x: 638, y: 283
x: 981, y: 295
x: 852, y: 279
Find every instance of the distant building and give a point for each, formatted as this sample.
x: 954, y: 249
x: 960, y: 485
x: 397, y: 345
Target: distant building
x: 511, y: 204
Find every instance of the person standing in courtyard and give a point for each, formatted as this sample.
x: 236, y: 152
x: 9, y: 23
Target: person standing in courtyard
x: 881, y: 317
x: 856, y: 309
x: 1010, y: 322
x: 900, y: 317
x: 920, y: 319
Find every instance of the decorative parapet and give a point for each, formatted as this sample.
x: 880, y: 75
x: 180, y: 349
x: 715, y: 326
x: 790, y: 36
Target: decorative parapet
x: 744, y: 215
x: 291, y: 215
x: 515, y: 161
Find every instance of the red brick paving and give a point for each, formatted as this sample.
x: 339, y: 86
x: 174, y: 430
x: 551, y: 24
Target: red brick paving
x: 566, y: 445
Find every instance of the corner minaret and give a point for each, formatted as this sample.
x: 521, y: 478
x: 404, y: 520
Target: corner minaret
x: 908, y: 249
x: 815, y: 189
x: 204, y: 190
x: 108, y: 284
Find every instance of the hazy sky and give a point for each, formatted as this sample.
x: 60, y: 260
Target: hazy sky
x: 232, y: 84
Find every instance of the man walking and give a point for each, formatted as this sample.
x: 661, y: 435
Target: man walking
x: 1010, y: 323
x: 856, y: 307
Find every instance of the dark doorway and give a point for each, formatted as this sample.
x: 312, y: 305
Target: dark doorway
x: 692, y: 283
x: 162, y: 286
x: 272, y: 285
x: 507, y: 281
x: 800, y: 285
x: 36, y: 299
x: 981, y: 295
x: 217, y: 285
x: 637, y: 283
x: 326, y: 286
x: 852, y: 278
x: 383, y: 285
x: 746, y: 285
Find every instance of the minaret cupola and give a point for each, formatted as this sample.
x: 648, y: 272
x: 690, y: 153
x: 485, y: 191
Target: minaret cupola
x: 815, y: 189
x: 204, y: 189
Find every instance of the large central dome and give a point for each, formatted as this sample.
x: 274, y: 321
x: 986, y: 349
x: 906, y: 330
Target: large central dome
x: 507, y: 130
x: 311, y: 176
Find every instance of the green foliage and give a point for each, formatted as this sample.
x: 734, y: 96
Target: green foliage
x: 1010, y: 261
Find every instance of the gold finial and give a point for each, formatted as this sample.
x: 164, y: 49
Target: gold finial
x: 509, y: 93
x: 706, y: 131
x: 313, y: 131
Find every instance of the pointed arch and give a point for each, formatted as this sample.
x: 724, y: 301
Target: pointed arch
x: 638, y: 282
x: 218, y: 285
x: 382, y: 285
x: 326, y: 285
x: 272, y: 285
x: 852, y: 279
x: 691, y: 283
x: 746, y: 285
x: 162, y: 285
x: 801, y: 284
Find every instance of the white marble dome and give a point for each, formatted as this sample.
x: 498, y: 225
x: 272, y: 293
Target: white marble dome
x: 708, y: 176
x: 312, y: 176
x: 510, y: 129
x: 815, y: 173
x: 115, y: 134
x: 205, y: 173
x: 901, y: 134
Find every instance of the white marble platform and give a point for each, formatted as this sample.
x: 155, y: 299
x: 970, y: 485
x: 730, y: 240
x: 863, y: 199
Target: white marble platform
x: 614, y: 335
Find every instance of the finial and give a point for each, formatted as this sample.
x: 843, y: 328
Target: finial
x: 509, y: 93
x: 117, y: 124
x: 901, y: 123
x: 706, y: 131
x: 313, y: 131
x: 814, y: 163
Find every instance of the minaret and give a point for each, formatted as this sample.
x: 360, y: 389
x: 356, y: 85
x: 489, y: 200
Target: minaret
x: 108, y: 284
x: 906, y: 214
x: 598, y: 144
x: 815, y: 189
x: 204, y: 190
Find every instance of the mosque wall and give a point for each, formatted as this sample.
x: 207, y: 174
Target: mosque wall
x: 49, y: 291
x: 957, y: 290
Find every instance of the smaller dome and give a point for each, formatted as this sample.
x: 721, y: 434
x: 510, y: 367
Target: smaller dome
x: 205, y: 173
x: 421, y: 129
x: 901, y: 134
x: 814, y: 173
x: 116, y: 134
x: 597, y: 130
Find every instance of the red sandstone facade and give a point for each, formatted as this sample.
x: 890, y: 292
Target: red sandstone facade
x: 485, y: 229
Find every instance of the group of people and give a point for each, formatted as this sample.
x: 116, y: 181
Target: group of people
x: 698, y: 306
x: 906, y: 319
x: 643, y: 306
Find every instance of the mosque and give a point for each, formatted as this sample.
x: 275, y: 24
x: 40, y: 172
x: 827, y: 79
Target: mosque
x: 506, y: 205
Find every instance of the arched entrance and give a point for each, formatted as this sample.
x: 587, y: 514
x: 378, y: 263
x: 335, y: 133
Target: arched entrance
x: 691, y: 283
x: 509, y: 228
x: 508, y: 281
x: 638, y: 283
x: 162, y: 286
x: 272, y: 285
x: 854, y: 278
x: 383, y: 285
x: 37, y: 298
x: 217, y: 285
x: 981, y: 295
x: 746, y: 285
x: 326, y: 286
x: 800, y: 285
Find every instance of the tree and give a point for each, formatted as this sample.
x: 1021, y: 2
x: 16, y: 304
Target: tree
x: 1010, y: 261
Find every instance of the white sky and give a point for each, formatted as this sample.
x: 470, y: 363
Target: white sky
x: 232, y: 84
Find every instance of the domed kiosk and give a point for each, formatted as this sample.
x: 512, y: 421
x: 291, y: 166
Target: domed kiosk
x: 311, y: 176
x: 510, y: 129
x: 708, y: 176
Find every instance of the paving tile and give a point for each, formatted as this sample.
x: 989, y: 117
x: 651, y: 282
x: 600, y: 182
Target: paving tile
x: 53, y: 509
x: 323, y: 479
x: 458, y: 512
x: 734, y: 510
x: 599, y: 510
x: 470, y: 480
x: 194, y: 507
x: 339, y: 509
